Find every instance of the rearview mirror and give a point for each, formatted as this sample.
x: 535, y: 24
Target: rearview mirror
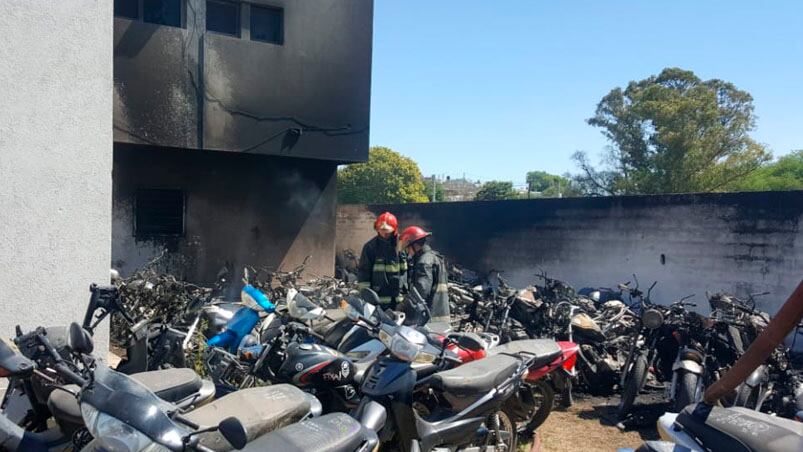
x: 80, y: 340
x: 233, y: 430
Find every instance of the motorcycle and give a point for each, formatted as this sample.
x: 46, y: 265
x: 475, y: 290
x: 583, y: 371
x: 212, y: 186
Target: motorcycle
x: 707, y: 347
x: 465, y: 408
x: 121, y: 413
x: 702, y: 428
x: 653, y: 349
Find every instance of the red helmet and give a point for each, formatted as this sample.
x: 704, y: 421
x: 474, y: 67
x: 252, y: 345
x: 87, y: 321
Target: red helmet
x: 386, y: 220
x: 410, y: 235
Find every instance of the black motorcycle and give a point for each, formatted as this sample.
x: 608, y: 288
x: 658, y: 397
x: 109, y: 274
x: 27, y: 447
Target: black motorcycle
x: 653, y: 346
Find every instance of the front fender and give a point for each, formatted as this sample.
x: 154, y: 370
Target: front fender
x: 689, y: 366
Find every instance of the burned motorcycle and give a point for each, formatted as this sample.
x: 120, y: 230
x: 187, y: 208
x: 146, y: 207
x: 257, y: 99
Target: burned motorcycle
x: 653, y: 349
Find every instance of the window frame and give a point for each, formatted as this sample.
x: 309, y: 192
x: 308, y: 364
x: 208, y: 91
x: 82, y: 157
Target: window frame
x: 280, y: 10
x: 141, y: 15
x: 138, y: 13
x: 239, y: 26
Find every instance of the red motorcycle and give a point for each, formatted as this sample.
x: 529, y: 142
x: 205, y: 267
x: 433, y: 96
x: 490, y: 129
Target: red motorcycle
x: 552, y: 369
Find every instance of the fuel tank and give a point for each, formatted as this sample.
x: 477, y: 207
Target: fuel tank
x: 586, y: 328
x: 316, y: 365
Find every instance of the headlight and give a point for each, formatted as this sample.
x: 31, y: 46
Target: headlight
x: 404, y: 349
x: 115, y: 435
x: 407, y: 344
x: 652, y: 319
x: 424, y: 358
x: 386, y: 338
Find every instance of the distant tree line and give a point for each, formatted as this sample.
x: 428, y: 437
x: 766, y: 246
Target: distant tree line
x: 669, y: 133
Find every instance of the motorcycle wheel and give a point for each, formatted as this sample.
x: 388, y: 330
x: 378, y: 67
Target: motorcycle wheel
x: 687, y: 386
x: 543, y: 397
x: 507, y: 439
x: 633, y: 384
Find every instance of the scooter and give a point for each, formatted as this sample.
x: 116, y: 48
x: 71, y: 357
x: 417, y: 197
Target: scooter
x: 121, y: 413
x: 701, y: 428
x: 464, y: 408
x: 38, y: 395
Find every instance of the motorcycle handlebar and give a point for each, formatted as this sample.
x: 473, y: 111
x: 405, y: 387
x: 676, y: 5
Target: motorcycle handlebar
x: 65, y: 372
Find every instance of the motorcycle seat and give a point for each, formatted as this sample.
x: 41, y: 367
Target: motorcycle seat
x: 468, y: 341
x: 542, y: 351
x: 171, y: 385
x: 261, y: 410
x: 476, y: 377
x: 336, y: 432
x: 740, y: 429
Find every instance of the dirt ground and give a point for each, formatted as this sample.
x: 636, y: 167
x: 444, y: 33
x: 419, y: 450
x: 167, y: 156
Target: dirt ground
x: 590, y: 425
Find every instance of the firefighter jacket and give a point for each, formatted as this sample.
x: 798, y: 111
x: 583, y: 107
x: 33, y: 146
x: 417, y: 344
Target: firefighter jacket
x: 429, y: 276
x: 383, y: 269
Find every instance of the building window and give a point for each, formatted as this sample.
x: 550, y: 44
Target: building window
x: 126, y: 8
x: 159, y: 212
x: 267, y: 24
x: 162, y: 12
x: 223, y: 17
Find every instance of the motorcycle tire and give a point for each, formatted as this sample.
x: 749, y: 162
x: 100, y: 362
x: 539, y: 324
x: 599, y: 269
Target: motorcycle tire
x: 633, y: 384
x: 545, y: 403
x: 506, y: 425
x: 684, y: 395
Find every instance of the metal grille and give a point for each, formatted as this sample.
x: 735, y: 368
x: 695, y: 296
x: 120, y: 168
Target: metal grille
x: 159, y: 212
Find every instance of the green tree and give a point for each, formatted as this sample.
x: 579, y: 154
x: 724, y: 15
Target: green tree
x: 786, y: 173
x: 496, y: 190
x: 387, y: 177
x: 551, y: 186
x: 673, y: 133
x: 439, y: 193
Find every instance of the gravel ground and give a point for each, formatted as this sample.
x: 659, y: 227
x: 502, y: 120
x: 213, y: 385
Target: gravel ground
x: 590, y: 425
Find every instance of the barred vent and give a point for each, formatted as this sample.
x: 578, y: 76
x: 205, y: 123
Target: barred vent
x: 159, y: 212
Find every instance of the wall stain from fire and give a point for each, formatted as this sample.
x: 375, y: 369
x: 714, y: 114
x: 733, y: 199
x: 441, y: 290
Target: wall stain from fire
x: 736, y: 242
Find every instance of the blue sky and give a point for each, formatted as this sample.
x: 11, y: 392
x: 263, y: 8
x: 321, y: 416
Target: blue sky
x: 495, y: 89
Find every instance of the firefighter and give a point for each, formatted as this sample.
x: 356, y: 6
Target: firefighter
x: 382, y: 267
x: 427, y: 275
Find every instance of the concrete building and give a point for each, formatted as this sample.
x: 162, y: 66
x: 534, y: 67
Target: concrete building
x: 230, y: 119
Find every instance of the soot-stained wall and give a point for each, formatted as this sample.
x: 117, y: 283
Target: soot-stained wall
x: 308, y: 97
x: 736, y: 242
x: 239, y: 210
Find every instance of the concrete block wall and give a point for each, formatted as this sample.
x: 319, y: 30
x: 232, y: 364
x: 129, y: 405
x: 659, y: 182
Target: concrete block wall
x: 734, y: 242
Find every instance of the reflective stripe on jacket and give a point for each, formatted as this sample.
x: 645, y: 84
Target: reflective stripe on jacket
x: 382, y: 269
